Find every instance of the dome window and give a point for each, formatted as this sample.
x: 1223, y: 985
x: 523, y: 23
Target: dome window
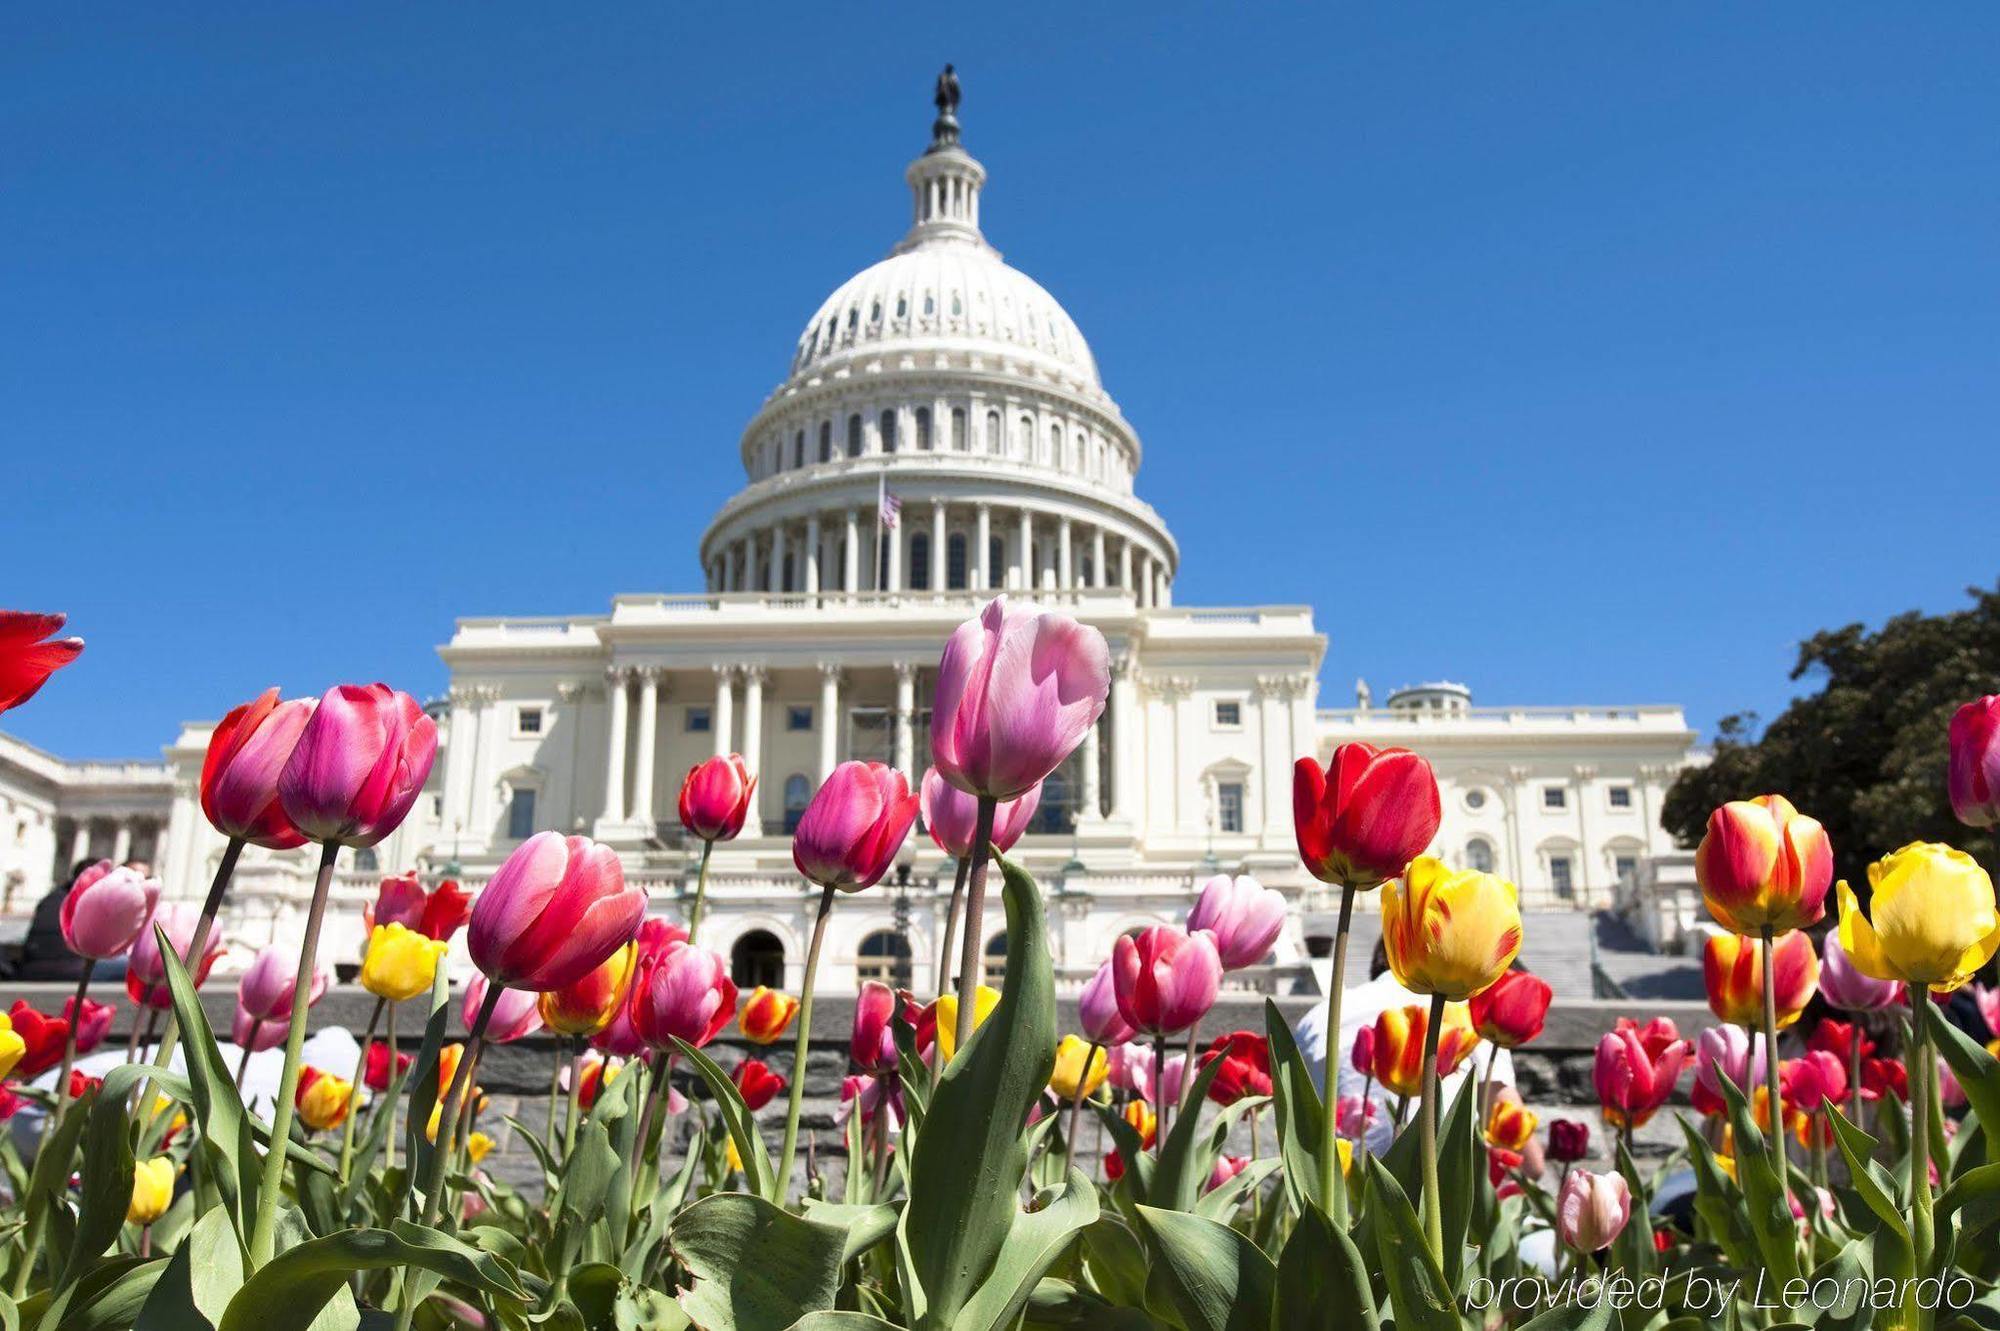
x: 875, y: 314
x: 957, y: 306
x: 887, y: 426
x: 923, y: 429
x: 826, y: 441
x: 799, y: 450
x: 959, y: 443
x: 902, y: 308
x: 930, y: 304
x: 854, y: 435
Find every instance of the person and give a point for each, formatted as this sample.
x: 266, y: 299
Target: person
x: 1360, y: 1007
x: 44, y: 955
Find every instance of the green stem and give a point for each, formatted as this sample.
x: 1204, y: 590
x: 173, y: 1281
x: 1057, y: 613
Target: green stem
x: 1428, y: 1126
x: 1187, y: 1105
x: 781, y: 1182
x: 951, y: 928
x: 263, y: 1237
x: 210, y: 908
x: 575, y: 1099
x: 360, y: 1073
x: 1332, y: 1188
x: 394, y: 1094
x: 555, y: 1089
x: 32, y: 1239
x: 1774, y: 1131
x: 971, y: 956
x: 700, y: 891
x: 1161, y: 1116
x: 1076, y: 1109
x: 1922, y: 1228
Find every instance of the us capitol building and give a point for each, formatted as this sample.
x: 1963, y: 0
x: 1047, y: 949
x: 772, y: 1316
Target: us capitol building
x: 947, y: 386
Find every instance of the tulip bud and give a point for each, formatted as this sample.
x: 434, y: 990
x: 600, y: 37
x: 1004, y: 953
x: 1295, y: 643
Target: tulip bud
x: 1510, y: 1125
x: 12, y: 1047
x: 952, y: 817
x: 1732, y: 967
x: 1097, y: 1009
x: 1592, y: 1210
x: 597, y: 1070
x: 1510, y: 1011
x: 106, y: 910
x: 358, y: 766
x: 268, y: 984
x: 26, y: 660
x: 1637, y: 1068
x: 873, y: 1044
x: 1143, y: 1120
x: 1726, y: 1051
x: 1846, y: 988
x: 43, y: 1038
x: 152, y: 1190
x: 683, y: 993
x: 239, y: 774
x: 1975, y: 762
x: 438, y: 913
x: 1166, y: 979
x: 757, y: 1084
x: 1226, y: 1168
x: 715, y: 797
x: 1073, y: 1071
x: 1400, y: 1033
x: 1812, y: 1081
x: 1764, y: 865
x: 1017, y: 691
x: 871, y: 1095
x: 1450, y: 931
x: 984, y: 1000
x: 516, y: 1013
x: 400, y: 963
x: 146, y: 969
x: 1930, y: 919
x: 377, y: 1073
x: 1365, y: 816
x: 553, y: 913
x: 1363, y: 1053
x: 586, y: 1006
x: 1569, y: 1140
x: 94, y: 1025
x: 323, y: 1099
x: 766, y: 1014
x: 1131, y: 1069
x: 1243, y: 915
x: 850, y: 833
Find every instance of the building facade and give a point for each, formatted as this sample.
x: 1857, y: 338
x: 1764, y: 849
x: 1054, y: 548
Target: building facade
x: 941, y: 436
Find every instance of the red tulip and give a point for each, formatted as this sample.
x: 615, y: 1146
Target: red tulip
x: 26, y: 660
x: 1166, y: 979
x: 1510, y: 1011
x: 438, y: 914
x: 1017, y: 690
x: 359, y: 765
x: 683, y: 993
x: 952, y: 817
x: 553, y: 913
x: 757, y: 1084
x: 1813, y: 1080
x: 1764, y: 865
x: 96, y: 1023
x: 766, y: 1014
x: 376, y: 1074
x: 596, y: 1071
x: 1363, y: 1054
x: 1884, y: 1076
x: 1637, y: 1068
x: 82, y: 1083
x: 1838, y: 1037
x: 44, y: 1037
x: 106, y: 910
x: 1569, y: 1140
x: 873, y: 1046
x: 1975, y: 762
x: 850, y: 833
x: 1362, y: 819
x: 239, y: 775
x: 715, y: 797
x: 146, y: 971
x: 1245, y: 1070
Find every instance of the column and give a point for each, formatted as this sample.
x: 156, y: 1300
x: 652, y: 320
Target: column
x: 121, y: 841
x: 614, y: 774
x: 1097, y: 569
x: 851, y: 555
x: 1093, y: 780
x: 1024, y: 561
x: 1065, y: 569
x: 649, y: 727
x: 1163, y: 588
x: 811, y: 581
x: 728, y: 569
x: 720, y: 721
x: 1125, y: 568
x: 746, y: 571
x: 906, y: 701
x: 79, y: 845
x: 982, y: 547
x: 1585, y: 855
x: 1145, y: 577
x: 829, y: 718
x: 893, y: 574
x: 938, y: 535
x: 778, y: 559
x: 1123, y: 709
x: 753, y: 739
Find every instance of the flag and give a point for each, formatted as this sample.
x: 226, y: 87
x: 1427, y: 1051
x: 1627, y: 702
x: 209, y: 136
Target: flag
x: 891, y: 509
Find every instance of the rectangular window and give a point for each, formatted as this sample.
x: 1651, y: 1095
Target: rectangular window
x: 1621, y: 797
x: 1627, y: 867
x: 1228, y: 714
x: 698, y: 721
x: 1560, y: 877
x: 528, y: 721
x: 799, y: 717
x: 1229, y: 806
x: 521, y: 815
x: 1555, y: 797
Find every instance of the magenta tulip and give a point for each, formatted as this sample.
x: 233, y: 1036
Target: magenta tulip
x: 265, y: 988
x: 358, y: 766
x: 1097, y: 1010
x: 1725, y: 1051
x: 553, y: 913
x: 1244, y: 915
x: 684, y: 993
x: 1974, y: 779
x: 239, y: 775
x: 850, y: 833
x: 715, y: 797
x: 1847, y: 988
x: 94, y: 1025
x: 248, y: 1031
x: 107, y: 909
x: 873, y: 1045
x: 1018, y: 689
x: 146, y: 970
x: 952, y: 817
x: 1166, y: 979
x: 516, y: 1014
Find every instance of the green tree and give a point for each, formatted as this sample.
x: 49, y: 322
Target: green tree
x: 1866, y: 754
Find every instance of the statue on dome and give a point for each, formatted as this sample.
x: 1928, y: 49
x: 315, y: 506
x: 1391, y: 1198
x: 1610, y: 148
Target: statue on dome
x: 1364, y: 697
x: 944, y: 130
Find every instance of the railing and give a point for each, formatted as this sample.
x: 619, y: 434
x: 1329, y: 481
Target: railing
x: 1661, y: 716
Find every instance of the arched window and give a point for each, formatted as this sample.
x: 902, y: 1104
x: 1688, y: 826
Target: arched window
x: 996, y: 561
x: 799, y: 449
x: 888, y: 428
x: 885, y: 957
x: 996, y: 961
x: 1057, y: 811
x: 854, y: 435
x: 920, y: 561
x: 923, y: 429
x: 1024, y: 438
x: 954, y: 561
x: 798, y: 794
x: 1479, y: 854
x: 757, y: 958
x: 1055, y: 456
x: 959, y: 442
x: 993, y: 432
x: 826, y: 441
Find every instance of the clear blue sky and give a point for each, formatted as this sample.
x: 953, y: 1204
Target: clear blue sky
x: 1583, y: 353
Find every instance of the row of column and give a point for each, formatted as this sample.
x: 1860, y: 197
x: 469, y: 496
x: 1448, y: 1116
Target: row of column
x: 125, y: 834
x: 1079, y: 555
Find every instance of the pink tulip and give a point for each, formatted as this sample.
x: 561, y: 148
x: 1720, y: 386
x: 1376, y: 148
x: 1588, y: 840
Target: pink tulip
x: 1951, y: 1093
x: 1974, y: 779
x: 146, y: 970
x: 1173, y: 1079
x: 1726, y: 1051
x: 850, y: 833
x: 715, y: 797
x: 358, y: 766
x: 1847, y: 988
x: 1166, y: 978
x: 1244, y: 915
x: 1593, y: 1210
x: 683, y: 993
x: 239, y: 775
x: 107, y: 909
x: 1226, y: 1168
x: 266, y: 988
x: 873, y: 1046
x: 1017, y: 691
x: 621, y: 1039
x: 952, y: 817
x: 516, y: 1014
x: 553, y: 913
x: 247, y: 1031
x: 1637, y: 1068
x: 1988, y: 1002
x: 871, y: 1093
x: 1097, y: 1010
x: 1363, y: 1055
x: 1130, y: 1068
x: 1354, y: 1115
x: 94, y: 1026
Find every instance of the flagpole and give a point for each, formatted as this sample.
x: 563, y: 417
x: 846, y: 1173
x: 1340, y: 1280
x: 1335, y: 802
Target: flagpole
x: 881, y: 496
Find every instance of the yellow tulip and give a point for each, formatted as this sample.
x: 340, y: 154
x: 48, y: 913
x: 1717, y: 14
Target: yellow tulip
x: 152, y: 1190
x: 1345, y: 1149
x: 1070, y: 1055
x: 1930, y: 921
x: 1450, y: 931
x: 323, y: 1099
x: 730, y: 1156
x: 586, y: 1006
x: 947, y: 1018
x: 400, y: 963
x: 477, y: 1146
x: 12, y: 1046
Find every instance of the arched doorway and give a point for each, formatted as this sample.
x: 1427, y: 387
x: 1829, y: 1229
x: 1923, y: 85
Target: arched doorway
x: 757, y: 958
x: 884, y: 956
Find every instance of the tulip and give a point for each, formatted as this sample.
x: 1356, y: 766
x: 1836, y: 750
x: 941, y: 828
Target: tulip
x: 1243, y: 915
x: 152, y: 1190
x: 516, y: 1012
x: 1735, y: 1052
x: 400, y: 963
x: 1569, y: 1140
x: 1354, y: 1115
x: 265, y: 989
x: 1365, y: 816
x: 1400, y: 1035
x: 323, y: 1099
x: 756, y: 1083
x: 1884, y: 1076
x: 239, y: 774
x: 94, y: 1026
x: 873, y: 1045
x: 1974, y: 780
x: 1733, y: 969
x: 850, y: 833
x: 1143, y: 1121
x: 1081, y: 1068
x: 13, y: 1048
x: 1097, y: 1010
x: 378, y: 1074
x: 107, y: 909
x: 1166, y: 979
x: 1846, y: 988
x: 871, y: 1094
x: 146, y: 970
x: 438, y: 913
x: 1226, y: 1168
x: 684, y: 993
x: 1592, y: 1210
x: 254, y: 1034
x: 715, y: 797
x: 1450, y: 932
x: 596, y: 1070
x: 478, y: 1146
x: 586, y: 1006
x: 26, y: 659
x: 984, y: 1001
x: 1363, y: 1053
x: 1173, y: 1080
x: 44, y: 1038
x: 1930, y: 918
x: 1130, y: 1068
x: 1636, y: 1069
x: 553, y: 913
x: 1951, y: 1092
x: 620, y: 1038
x: 766, y: 1014
x: 1764, y: 867
x: 1510, y: 1125
x: 952, y: 818
x: 1245, y: 1069
x: 359, y: 764
x: 1814, y: 1080
x: 1510, y: 1011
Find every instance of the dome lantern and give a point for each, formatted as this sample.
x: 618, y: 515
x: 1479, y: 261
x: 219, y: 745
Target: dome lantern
x: 945, y: 181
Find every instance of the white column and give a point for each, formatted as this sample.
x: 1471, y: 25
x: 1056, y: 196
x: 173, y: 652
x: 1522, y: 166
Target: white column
x: 720, y: 722
x: 906, y: 701
x: 829, y: 718
x: 894, y: 536
x: 1024, y: 561
x: 1586, y: 857
x: 1093, y: 779
x: 1097, y: 570
x: 812, y: 555
x: 615, y: 680
x: 1163, y: 590
x: 1123, y: 709
x: 938, y: 535
x: 1145, y: 577
x: 851, y: 555
x: 746, y: 568
x: 728, y: 569
x: 778, y: 558
x: 982, y: 546
x: 79, y: 844
x: 649, y: 728
x: 121, y: 842
x: 1125, y: 568
x: 1065, y: 566
x: 753, y: 740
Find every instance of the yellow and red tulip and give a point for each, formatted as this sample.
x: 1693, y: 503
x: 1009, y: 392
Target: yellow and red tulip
x: 1732, y: 967
x: 1399, y: 1045
x: 1450, y: 931
x: 1764, y: 865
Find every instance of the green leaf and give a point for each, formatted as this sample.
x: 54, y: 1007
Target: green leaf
x: 1298, y: 1108
x: 1115, y: 1260
x: 1221, y: 1203
x: 1977, y: 1071
x: 222, y: 1128
x: 1460, y: 1164
x: 107, y: 1180
x: 1585, y: 1315
x: 109, y: 1296
x: 1181, y: 1170
x: 1417, y: 1289
x: 639, y: 1309
x: 1868, y: 1179
x: 966, y: 1170
x: 864, y: 1226
x: 755, y: 1267
x: 1215, y: 1278
x: 842, y: 1321
x: 1036, y: 1241
x: 1716, y: 1201
x: 1131, y: 1150
x: 1322, y: 1280
x: 288, y: 1293
x: 204, y: 1275
x: 736, y: 1116
x: 417, y: 1146
x: 578, y: 1203
x: 1770, y: 1215
x: 1845, y: 1277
